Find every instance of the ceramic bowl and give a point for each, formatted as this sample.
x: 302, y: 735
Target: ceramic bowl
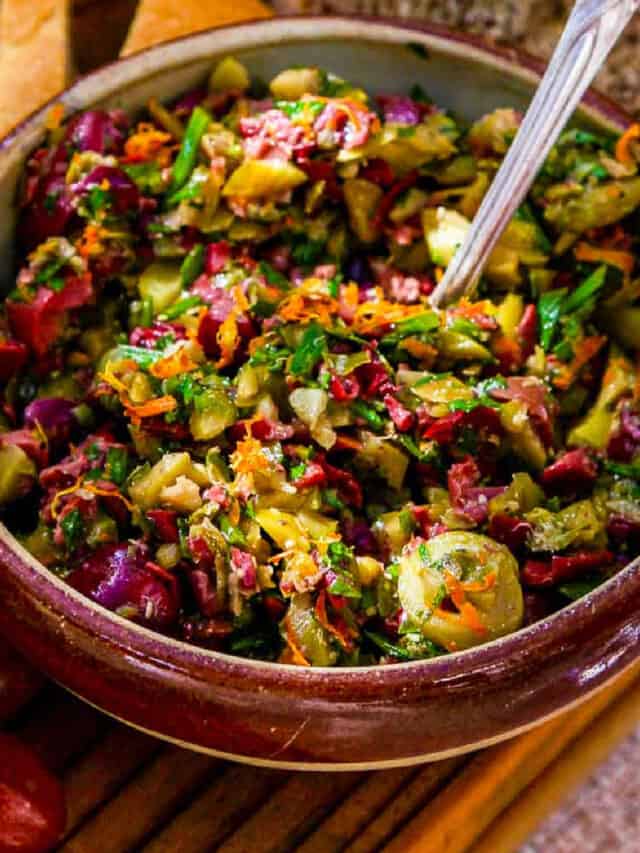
x: 281, y: 715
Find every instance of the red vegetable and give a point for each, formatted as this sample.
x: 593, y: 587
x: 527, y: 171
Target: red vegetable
x: 400, y: 415
x: 528, y: 330
x: 40, y: 323
x: 378, y: 172
x: 124, y: 194
x: 217, y: 257
x: 13, y: 355
x: 148, y: 336
x: 466, y: 497
x: 510, y: 530
x: 165, y: 523
x: 344, y: 388
x: 32, y: 807
x: 388, y: 199
x: 120, y: 577
x: 314, y: 475
x: 570, y: 472
x: 549, y: 572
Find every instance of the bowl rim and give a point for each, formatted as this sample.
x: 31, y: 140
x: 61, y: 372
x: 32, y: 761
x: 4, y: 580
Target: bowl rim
x: 178, y: 654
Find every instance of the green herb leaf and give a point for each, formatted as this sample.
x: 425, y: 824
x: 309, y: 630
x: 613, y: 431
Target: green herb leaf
x: 585, y: 291
x: 300, y: 109
x: 387, y: 646
x: 181, y: 306
x: 550, y: 307
x: 72, y: 528
x: 311, y: 349
x: 368, y: 414
x: 274, y: 277
x: 192, y: 265
x: 577, y: 589
x: 188, y: 154
x: 117, y: 464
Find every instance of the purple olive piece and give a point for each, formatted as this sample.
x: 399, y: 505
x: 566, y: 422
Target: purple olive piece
x: 400, y: 109
x: 97, y: 130
x: 186, y: 103
x: 122, y: 190
x: 54, y: 416
x: 357, y: 269
x: 48, y: 214
x: 118, y: 578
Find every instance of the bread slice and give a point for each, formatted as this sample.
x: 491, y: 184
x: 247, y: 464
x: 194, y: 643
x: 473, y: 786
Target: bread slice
x: 35, y: 56
x: 156, y: 21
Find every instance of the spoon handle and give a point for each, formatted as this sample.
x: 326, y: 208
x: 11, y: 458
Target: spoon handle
x: 591, y: 31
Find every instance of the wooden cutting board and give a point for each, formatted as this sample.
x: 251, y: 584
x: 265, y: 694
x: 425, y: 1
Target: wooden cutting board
x: 127, y: 791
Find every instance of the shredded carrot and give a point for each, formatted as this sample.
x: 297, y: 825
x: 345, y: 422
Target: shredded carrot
x: 320, y: 611
x: 471, y: 618
x: 148, y: 143
x: 350, y: 295
x: 508, y: 349
x: 468, y: 309
x: 107, y: 493
x: 111, y: 379
x: 256, y: 343
x: 247, y: 456
x: 173, y: 365
x: 623, y: 145
x: 58, y: 495
x: 228, y: 340
x: 624, y: 261
x: 373, y: 316
x: 585, y: 351
x: 55, y: 116
x: 157, y: 406
x: 488, y: 582
x: 91, y: 243
x: 309, y: 301
x: 468, y: 615
x: 345, y: 442
x: 297, y: 657
x: 419, y: 349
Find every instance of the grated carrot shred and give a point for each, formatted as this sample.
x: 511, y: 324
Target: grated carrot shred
x: 58, y: 495
x: 297, y: 657
x: 624, y: 261
x: 247, y: 456
x: 320, y: 611
x: 587, y: 348
x: 157, y: 406
x: 91, y: 242
x: 107, y: 493
x: 172, y: 365
x: 623, y: 145
x: 148, y: 143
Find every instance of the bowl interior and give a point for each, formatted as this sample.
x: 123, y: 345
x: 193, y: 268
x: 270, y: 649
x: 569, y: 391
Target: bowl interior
x: 458, y: 73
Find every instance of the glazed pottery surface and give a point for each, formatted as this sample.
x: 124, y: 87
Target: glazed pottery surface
x: 279, y: 714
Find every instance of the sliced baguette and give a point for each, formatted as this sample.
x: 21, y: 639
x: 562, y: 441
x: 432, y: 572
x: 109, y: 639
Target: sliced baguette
x: 156, y: 21
x: 35, y: 56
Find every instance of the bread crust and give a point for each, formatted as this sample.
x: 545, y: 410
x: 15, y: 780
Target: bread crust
x: 35, y: 56
x: 156, y: 21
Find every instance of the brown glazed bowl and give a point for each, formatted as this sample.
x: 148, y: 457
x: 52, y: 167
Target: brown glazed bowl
x: 283, y: 715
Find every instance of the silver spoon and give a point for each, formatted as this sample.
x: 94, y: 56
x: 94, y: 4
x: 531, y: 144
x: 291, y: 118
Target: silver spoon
x: 591, y: 31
